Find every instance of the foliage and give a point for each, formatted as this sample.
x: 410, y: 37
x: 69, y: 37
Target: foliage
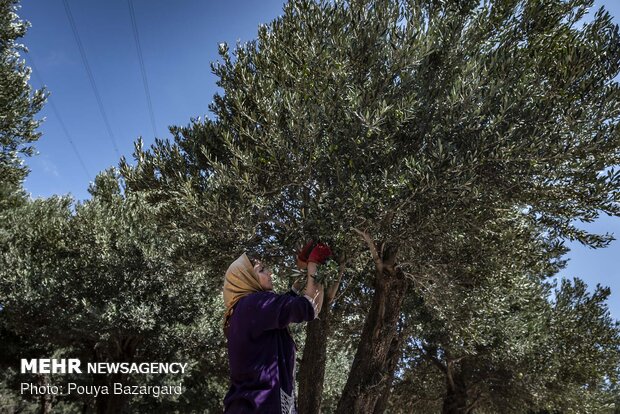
x: 471, y: 138
x: 551, y: 366
x: 18, y: 106
x: 98, y: 279
x: 378, y: 116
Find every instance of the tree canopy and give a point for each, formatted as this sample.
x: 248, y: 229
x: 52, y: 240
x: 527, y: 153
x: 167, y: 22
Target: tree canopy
x: 431, y: 134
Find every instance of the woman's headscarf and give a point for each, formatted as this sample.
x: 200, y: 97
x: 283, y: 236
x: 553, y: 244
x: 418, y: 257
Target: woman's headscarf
x: 240, y: 281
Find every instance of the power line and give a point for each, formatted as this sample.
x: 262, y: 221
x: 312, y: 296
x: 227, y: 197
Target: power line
x: 140, y: 58
x: 37, y: 73
x: 90, y: 76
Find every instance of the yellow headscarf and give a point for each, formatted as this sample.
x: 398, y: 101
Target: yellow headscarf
x: 240, y: 281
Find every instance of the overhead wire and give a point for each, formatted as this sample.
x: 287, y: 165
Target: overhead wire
x: 142, y: 67
x: 90, y: 76
x: 37, y: 74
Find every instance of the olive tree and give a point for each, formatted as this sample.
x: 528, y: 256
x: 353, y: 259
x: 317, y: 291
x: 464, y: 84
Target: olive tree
x: 19, y: 105
x: 381, y: 127
x: 100, y: 281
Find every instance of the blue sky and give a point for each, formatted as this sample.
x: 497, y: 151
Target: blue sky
x: 178, y: 41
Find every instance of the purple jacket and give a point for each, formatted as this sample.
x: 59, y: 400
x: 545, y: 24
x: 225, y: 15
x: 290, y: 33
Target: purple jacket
x: 261, y: 352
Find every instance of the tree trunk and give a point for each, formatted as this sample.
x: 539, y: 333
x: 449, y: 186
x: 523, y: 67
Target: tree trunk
x: 111, y: 403
x: 115, y: 403
x: 392, y: 362
x: 312, y: 369
x: 46, y: 398
x: 455, y: 401
x: 369, y: 372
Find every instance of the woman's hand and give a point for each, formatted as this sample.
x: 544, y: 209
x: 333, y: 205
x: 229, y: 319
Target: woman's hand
x: 309, y: 258
x: 303, y: 254
x: 313, y: 289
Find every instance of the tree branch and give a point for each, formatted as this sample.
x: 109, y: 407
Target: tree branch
x: 333, y: 288
x: 373, y: 249
x: 430, y: 354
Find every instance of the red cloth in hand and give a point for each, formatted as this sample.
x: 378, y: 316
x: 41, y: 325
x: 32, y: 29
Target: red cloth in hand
x: 320, y: 253
x: 304, y: 253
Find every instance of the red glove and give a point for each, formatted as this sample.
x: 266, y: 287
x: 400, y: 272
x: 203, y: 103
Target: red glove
x: 320, y: 253
x: 304, y: 253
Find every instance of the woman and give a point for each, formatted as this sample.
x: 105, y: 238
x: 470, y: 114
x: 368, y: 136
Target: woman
x: 261, y: 351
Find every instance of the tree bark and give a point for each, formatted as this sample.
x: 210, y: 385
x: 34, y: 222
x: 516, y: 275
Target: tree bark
x: 369, y: 372
x: 312, y: 369
x: 46, y: 398
x: 115, y: 403
x: 111, y: 403
x: 392, y: 362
